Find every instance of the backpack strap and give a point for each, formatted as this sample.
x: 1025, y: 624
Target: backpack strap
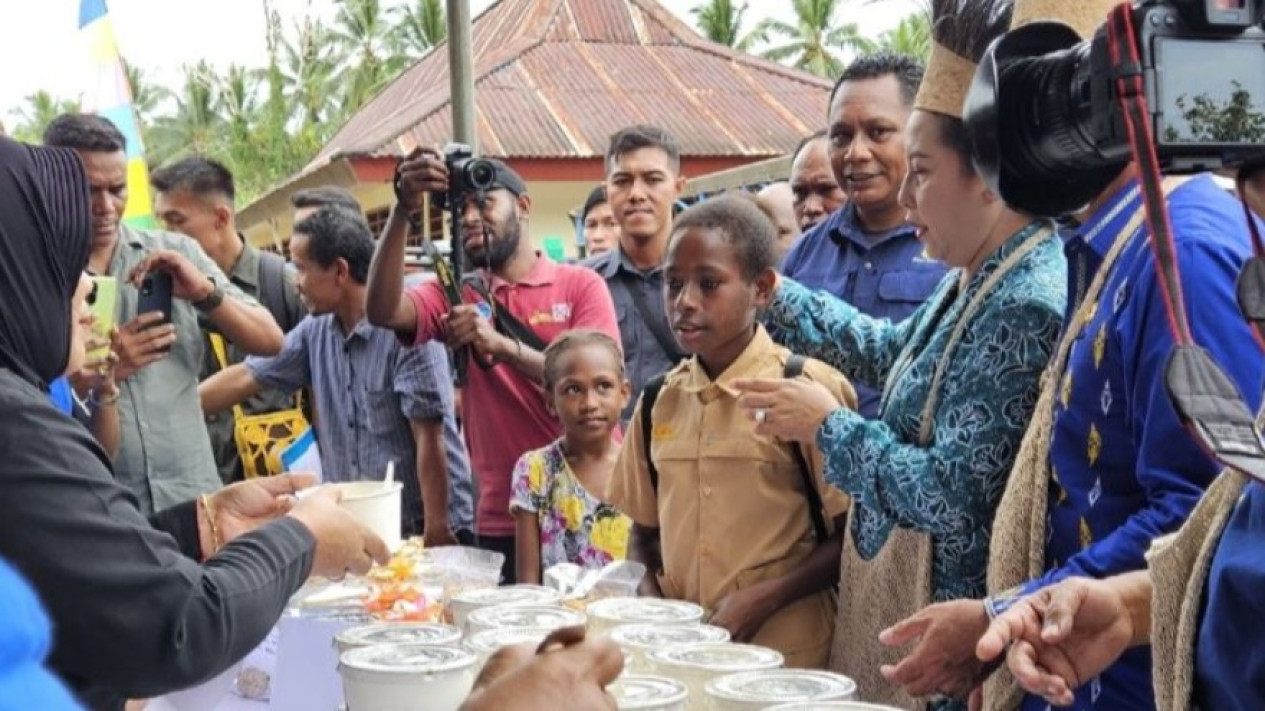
x: 272, y: 289
x: 816, y: 509
x: 649, y: 394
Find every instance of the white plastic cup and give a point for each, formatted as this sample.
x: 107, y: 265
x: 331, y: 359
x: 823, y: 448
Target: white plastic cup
x: 377, y: 505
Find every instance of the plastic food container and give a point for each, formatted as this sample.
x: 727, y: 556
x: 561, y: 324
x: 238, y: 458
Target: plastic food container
x: 487, y: 642
x: 830, y: 706
x: 753, y: 691
x: 407, y: 677
x: 605, y: 615
x: 552, y: 618
x: 640, y: 640
x: 396, y: 633
x: 467, y: 601
x: 698, y: 664
x: 648, y: 693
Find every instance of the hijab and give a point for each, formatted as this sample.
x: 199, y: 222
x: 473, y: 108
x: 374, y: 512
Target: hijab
x: 45, y: 228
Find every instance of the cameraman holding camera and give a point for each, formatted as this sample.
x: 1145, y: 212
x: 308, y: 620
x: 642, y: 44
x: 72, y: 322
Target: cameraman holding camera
x: 1107, y: 465
x: 517, y: 302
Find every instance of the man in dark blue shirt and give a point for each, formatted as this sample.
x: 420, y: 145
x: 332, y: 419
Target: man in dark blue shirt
x: 865, y: 252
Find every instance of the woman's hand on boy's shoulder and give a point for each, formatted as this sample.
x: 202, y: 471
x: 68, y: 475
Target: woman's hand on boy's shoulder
x: 789, y: 409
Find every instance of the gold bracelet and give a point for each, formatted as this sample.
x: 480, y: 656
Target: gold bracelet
x: 210, y: 522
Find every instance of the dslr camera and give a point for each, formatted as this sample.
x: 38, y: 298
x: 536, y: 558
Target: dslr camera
x: 1044, y: 117
x: 466, y: 174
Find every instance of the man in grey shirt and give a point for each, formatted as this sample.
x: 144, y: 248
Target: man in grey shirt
x: 165, y: 454
x: 378, y: 401
x: 194, y: 196
x: 643, y: 183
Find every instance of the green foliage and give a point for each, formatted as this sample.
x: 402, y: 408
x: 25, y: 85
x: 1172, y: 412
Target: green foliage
x: 912, y: 37
x: 1212, y: 121
x: 817, y: 41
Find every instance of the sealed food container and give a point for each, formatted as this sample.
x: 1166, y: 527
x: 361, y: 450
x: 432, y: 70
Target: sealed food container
x: 396, y: 633
x: 698, y: 664
x: 754, y: 691
x: 407, y: 677
x: 487, y: 642
x: 609, y: 613
x: 467, y: 601
x: 830, y: 706
x: 487, y: 618
x: 639, y: 640
x: 648, y: 693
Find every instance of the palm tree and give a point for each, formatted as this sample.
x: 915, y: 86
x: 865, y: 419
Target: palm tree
x: 308, y: 72
x: 721, y: 22
x: 419, y: 27
x: 362, y: 29
x: 40, y: 110
x: 146, y: 96
x: 196, y: 126
x: 237, y: 98
x: 813, y: 42
x: 912, y: 36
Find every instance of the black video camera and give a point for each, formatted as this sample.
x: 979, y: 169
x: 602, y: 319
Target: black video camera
x: 1047, y: 130
x: 466, y: 174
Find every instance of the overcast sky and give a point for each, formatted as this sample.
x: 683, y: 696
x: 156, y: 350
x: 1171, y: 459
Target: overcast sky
x: 40, y: 47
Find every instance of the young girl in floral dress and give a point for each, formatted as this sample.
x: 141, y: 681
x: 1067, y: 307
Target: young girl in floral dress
x: 554, y: 495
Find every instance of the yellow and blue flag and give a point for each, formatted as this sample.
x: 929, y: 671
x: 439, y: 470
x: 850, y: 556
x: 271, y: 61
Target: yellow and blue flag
x: 109, y: 95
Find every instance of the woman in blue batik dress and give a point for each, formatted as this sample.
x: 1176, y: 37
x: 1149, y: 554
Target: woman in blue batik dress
x: 960, y: 376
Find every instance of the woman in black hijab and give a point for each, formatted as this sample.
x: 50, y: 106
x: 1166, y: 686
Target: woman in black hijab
x: 139, y: 607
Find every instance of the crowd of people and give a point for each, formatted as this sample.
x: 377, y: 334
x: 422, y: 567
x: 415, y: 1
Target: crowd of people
x: 871, y: 416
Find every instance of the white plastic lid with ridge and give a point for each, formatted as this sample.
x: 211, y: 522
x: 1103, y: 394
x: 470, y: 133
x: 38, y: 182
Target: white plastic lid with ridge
x: 761, y: 688
x: 724, y: 658
x: 830, y: 706
x: 488, y: 641
x: 486, y: 618
x: 643, y: 692
x: 397, y: 633
x: 407, y: 659
x: 508, y: 595
x: 661, y: 636
x: 622, y: 610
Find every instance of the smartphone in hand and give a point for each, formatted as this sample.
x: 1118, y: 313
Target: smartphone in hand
x: 156, y: 295
x: 103, y: 302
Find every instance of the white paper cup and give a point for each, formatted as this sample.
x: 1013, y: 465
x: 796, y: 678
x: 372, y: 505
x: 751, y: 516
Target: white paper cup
x: 376, y: 504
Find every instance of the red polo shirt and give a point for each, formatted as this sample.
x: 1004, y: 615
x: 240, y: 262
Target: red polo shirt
x: 505, y: 413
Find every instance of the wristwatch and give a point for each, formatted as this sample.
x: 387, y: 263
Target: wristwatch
x: 212, y: 300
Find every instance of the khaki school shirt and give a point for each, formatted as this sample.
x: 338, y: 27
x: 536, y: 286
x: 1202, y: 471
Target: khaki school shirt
x: 731, y: 508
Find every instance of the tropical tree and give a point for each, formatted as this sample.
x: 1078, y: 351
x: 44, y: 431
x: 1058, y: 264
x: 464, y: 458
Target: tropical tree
x: 912, y: 36
x: 196, y: 126
x: 40, y: 110
x: 308, y: 70
x: 721, y: 22
x: 362, y: 28
x: 419, y: 28
x: 815, y: 42
x: 147, y: 97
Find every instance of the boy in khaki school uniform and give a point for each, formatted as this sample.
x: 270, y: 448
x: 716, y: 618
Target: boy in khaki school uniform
x: 729, y: 526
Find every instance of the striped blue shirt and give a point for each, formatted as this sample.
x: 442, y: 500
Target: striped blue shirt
x: 367, y: 388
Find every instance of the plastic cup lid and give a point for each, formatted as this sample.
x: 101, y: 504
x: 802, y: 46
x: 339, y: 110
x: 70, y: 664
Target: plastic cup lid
x: 830, y: 706
x: 782, y: 685
x: 408, y: 658
x: 525, y: 616
x: 720, y: 657
x: 640, y: 609
x: 660, y: 636
x: 509, y: 595
x: 399, y: 633
x: 489, y: 641
x: 636, y: 691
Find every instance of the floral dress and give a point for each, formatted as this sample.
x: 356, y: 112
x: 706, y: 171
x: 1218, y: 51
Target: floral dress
x: 575, y: 526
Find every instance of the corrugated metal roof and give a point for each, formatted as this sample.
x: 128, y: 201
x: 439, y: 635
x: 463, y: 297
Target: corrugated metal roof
x: 555, y: 78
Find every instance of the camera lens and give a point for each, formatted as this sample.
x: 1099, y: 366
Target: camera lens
x: 480, y: 174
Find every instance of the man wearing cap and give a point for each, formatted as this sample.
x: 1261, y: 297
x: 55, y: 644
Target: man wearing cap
x: 516, y: 303
x: 643, y: 182
x: 1107, y: 465
x: 597, y: 220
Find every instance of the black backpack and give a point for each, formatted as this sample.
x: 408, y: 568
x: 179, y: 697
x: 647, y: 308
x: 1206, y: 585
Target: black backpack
x: 793, y: 369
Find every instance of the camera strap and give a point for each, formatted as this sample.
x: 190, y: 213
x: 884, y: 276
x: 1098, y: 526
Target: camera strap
x: 1205, y: 399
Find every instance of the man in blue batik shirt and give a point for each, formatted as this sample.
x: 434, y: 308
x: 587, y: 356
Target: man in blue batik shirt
x: 865, y: 253
x: 1124, y: 470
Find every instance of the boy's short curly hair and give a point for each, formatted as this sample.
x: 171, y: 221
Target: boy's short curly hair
x: 743, y: 225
